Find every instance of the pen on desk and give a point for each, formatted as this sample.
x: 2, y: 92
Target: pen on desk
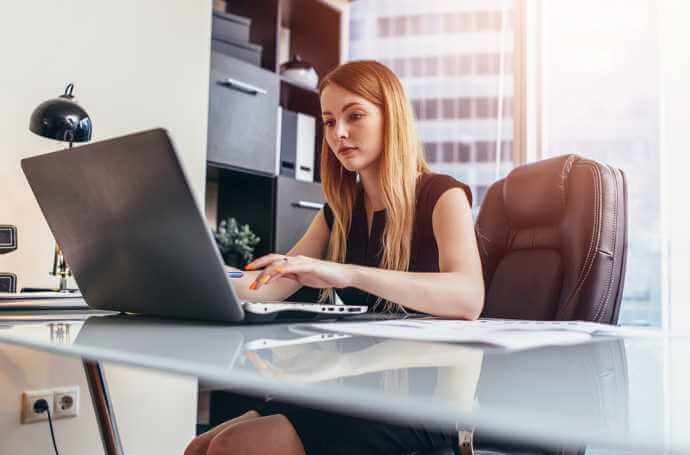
x: 235, y: 274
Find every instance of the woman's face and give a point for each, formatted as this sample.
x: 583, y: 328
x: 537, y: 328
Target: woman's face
x: 353, y: 128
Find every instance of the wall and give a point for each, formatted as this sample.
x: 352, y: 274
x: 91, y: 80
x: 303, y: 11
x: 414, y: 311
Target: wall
x: 136, y: 64
x: 155, y: 412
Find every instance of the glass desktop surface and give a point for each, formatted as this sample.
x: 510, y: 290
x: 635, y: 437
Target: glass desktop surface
x: 611, y: 392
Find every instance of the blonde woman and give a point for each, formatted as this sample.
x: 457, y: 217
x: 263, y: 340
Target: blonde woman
x: 393, y: 235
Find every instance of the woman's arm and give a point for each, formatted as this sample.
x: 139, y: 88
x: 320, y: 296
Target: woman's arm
x: 458, y: 290
x: 313, y: 244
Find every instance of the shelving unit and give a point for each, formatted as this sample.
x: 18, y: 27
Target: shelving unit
x: 243, y: 178
x: 242, y: 171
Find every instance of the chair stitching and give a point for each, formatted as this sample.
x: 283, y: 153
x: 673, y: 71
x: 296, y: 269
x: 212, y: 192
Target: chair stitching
x: 607, y: 294
x: 601, y: 306
x: 565, y: 172
x: 589, y: 259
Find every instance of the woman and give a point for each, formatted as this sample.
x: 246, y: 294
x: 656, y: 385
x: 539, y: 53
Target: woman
x: 399, y: 237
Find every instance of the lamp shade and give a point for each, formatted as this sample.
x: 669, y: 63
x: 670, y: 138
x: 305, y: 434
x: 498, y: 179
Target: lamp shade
x: 61, y: 118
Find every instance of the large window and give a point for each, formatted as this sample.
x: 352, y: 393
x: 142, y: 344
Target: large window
x: 455, y: 59
x: 600, y: 99
x: 591, y: 82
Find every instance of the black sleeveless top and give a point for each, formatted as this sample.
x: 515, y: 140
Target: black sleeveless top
x: 365, y: 250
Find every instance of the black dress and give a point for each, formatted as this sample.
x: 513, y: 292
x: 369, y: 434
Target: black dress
x: 325, y: 433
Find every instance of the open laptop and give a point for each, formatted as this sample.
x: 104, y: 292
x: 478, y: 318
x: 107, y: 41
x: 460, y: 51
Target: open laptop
x: 130, y: 229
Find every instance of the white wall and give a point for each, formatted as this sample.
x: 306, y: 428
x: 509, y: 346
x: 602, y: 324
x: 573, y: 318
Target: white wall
x: 136, y: 64
x: 21, y: 370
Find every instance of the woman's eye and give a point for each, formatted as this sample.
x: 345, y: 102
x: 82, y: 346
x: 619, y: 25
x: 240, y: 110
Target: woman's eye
x: 356, y: 116
x: 329, y: 123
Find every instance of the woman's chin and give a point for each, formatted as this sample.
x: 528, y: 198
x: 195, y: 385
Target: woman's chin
x: 354, y: 165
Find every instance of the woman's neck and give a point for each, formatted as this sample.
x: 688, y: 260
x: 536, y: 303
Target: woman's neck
x: 372, y: 192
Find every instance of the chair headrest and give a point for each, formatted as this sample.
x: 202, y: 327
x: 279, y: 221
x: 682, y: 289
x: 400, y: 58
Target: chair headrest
x: 535, y: 194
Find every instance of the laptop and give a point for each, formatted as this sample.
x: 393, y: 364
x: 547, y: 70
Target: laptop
x: 129, y: 227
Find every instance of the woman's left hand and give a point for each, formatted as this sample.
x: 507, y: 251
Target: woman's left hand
x: 307, y: 271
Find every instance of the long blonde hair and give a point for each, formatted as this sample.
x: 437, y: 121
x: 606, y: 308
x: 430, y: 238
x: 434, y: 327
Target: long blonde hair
x: 401, y: 160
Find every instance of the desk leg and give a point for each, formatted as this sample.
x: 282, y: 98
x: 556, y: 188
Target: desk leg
x: 103, y: 408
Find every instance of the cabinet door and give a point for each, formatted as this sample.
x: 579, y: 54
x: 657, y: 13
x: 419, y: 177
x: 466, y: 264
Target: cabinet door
x: 297, y: 203
x: 242, y: 115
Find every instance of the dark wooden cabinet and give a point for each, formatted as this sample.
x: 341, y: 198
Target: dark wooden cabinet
x: 244, y: 127
x: 297, y: 203
x: 242, y: 115
x: 279, y: 209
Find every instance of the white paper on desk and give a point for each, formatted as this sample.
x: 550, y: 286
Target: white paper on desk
x: 39, y: 295
x: 508, y: 334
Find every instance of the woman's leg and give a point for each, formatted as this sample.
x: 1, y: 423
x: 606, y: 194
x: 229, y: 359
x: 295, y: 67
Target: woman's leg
x: 272, y: 434
x: 199, y: 445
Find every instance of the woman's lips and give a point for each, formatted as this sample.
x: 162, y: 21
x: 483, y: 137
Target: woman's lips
x: 346, y: 151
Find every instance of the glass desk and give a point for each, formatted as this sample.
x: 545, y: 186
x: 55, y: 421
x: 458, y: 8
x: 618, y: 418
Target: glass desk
x: 611, y: 392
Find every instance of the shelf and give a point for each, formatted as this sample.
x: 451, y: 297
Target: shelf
x: 298, y: 85
x: 298, y: 98
x: 315, y: 29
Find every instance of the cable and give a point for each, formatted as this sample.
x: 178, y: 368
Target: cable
x: 42, y: 406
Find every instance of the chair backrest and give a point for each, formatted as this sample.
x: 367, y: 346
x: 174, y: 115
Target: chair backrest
x: 553, y: 241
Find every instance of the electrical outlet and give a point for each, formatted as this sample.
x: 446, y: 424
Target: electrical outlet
x: 66, y: 402
x: 29, y: 399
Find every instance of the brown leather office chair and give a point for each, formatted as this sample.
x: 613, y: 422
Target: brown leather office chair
x: 553, y: 243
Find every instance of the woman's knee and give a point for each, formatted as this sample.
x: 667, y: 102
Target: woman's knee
x: 272, y: 434
x: 196, y: 446
x: 199, y: 445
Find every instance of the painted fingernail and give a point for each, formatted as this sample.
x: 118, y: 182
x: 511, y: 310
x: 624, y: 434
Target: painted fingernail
x: 253, y: 286
x: 280, y: 269
x: 264, y: 279
x: 249, y: 266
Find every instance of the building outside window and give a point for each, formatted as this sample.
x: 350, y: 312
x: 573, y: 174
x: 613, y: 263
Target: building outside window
x: 596, y: 94
x: 454, y: 58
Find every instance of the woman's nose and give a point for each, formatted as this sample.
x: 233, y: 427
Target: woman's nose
x: 341, y: 130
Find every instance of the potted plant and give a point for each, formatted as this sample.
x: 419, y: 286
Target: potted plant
x: 236, y: 243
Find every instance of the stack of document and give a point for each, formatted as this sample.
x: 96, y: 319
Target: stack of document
x: 42, y: 301
x: 39, y: 295
x: 505, y: 333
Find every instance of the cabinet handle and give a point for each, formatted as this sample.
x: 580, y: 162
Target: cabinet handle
x: 242, y: 87
x: 308, y: 205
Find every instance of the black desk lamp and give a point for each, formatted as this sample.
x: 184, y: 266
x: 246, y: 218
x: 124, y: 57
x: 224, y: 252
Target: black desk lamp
x: 64, y: 120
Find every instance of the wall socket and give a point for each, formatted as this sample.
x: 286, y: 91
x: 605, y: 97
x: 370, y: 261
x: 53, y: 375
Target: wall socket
x: 62, y: 402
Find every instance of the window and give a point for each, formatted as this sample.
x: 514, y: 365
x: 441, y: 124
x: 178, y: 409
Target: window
x: 399, y: 26
x: 430, y: 149
x: 431, y: 65
x: 452, y: 76
x: 448, y: 155
x: 431, y: 109
x: 448, y: 108
x: 355, y: 30
x: 384, y: 26
x: 600, y: 100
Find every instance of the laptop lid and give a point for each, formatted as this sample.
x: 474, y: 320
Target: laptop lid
x: 124, y: 215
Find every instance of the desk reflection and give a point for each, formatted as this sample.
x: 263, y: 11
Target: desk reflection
x: 556, y: 386
x: 443, y: 372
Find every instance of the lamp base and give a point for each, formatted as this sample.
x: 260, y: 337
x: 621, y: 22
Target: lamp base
x: 66, y: 291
